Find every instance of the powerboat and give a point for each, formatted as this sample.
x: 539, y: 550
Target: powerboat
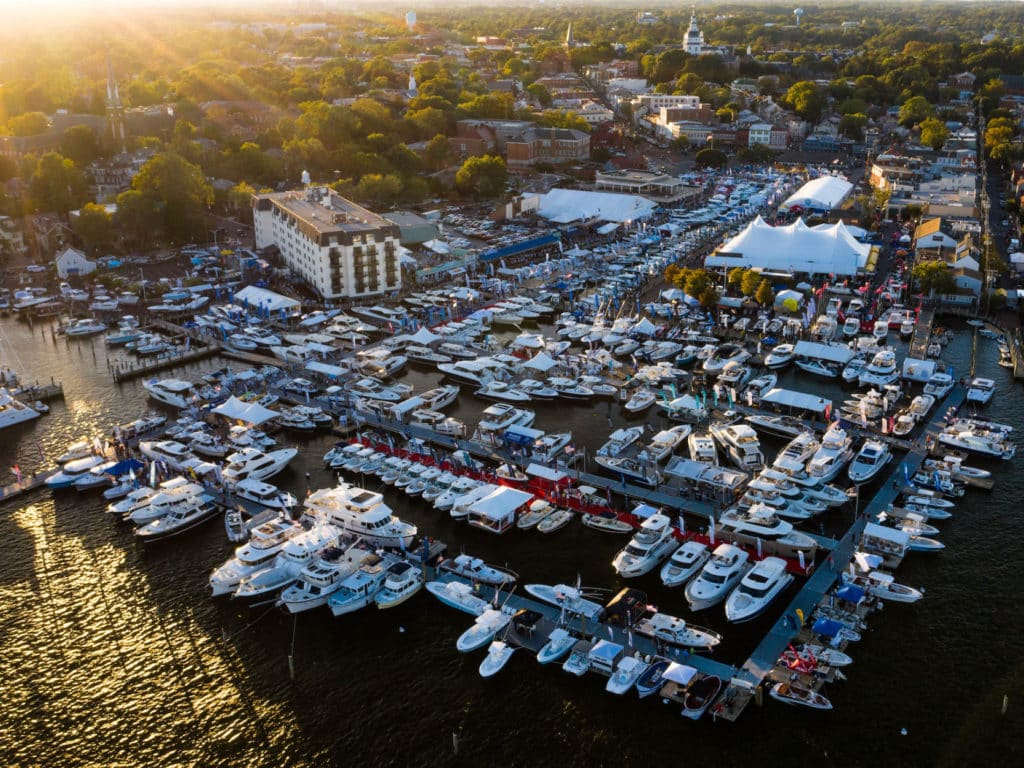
x: 498, y: 654
x: 975, y: 441
x: 702, y: 448
x: 815, y: 367
x: 725, y: 354
x: 569, y: 598
x: 183, y: 517
x: 134, y: 499
x: 439, y: 397
x: 174, y: 392
x: 762, y: 385
x: 684, y: 563
x: 664, y: 442
x: 675, y: 631
x: 791, y: 693
x: 637, y: 470
x: 699, y: 695
x: 740, y: 443
x: 14, y: 411
x: 361, y: 588
x: 619, y: 440
x: 73, y: 471
x: 254, y: 464
x: 86, y: 327
x: 486, y: 626
x: 570, y: 389
x: 558, y: 644
x: 734, y: 376
x: 578, y: 662
x: 851, y: 327
x: 881, y: 370
x: 557, y: 520
x: 403, y: 581
x: 719, y: 575
x: 296, y: 554
x: 264, y: 494
x: 760, y: 523
x: 650, y: 682
x: 835, y: 451
x: 502, y: 392
x: 939, y: 385
x: 547, y: 447
x: 641, y: 400
x: 627, y: 672
x: 854, y: 368
x: 169, y: 495
x: 607, y: 521
x: 981, y: 391
x: 869, y: 461
x: 265, y: 542
x: 780, y: 356
x: 323, y: 576
x: 458, y: 595
x: 761, y: 584
x: 649, y: 546
x: 537, y: 390
x: 501, y: 416
x: 363, y: 513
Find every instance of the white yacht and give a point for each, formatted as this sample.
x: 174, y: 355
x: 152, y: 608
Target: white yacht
x: 264, y: 494
x: 719, y: 575
x: 173, y: 392
x: 939, y: 385
x: 86, y: 327
x: 836, y: 449
x: 174, y: 454
x: 404, y: 580
x: 684, y: 563
x: 816, y: 367
x: 13, y: 412
x: 437, y: 421
x: 363, y: 513
x: 980, y: 442
x: 649, y: 546
x: 486, y: 626
x: 439, y: 397
x: 762, y: 584
x: 725, y: 354
x: 185, y: 516
x: 981, y: 391
x: 760, y: 522
x: 869, y: 461
x: 741, y: 444
x: 74, y: 471
x: 369, y: 387
x: 502, y: 392
x: 295, y: 555
x: 323, y: 576
x: 641, y: 400
x: 458, y: 595
x: 619, y: 440
x: 254, y: 464
x: 675, y: 631
x: 664, y: 442
x: 139, y: 497
x: 570, y: 598
x: 881, y: 370
x: 780, y: 356
x: 476, y: 372
x: 702, y: 448
x: 361, y: 588
x: 547, y: 447
x: 265, y: 541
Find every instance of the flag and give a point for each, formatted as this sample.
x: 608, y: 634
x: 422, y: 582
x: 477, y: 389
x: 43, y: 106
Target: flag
x: 799, y: 612
x: 17, y: 472
x: 711, y: 529
x: 803, y: 565
x: 682, y: 524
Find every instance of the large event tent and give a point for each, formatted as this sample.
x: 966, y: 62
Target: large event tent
x: 830, y: 250
x: 564, y: 206
x: 824, y: 193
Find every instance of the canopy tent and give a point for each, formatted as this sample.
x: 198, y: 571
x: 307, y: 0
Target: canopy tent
x: 781, y: 296
x: 673, y: 294
x: 328, y: 371
x: 821, y: 194
x: 850, y: 593
x: 866, y: 561
x: 424, y: 336
x: 124, y: 467
x: 520, y: 435
x: 250, y: 413
x: 679, y: 673
x: 858, y: 232
x: 437, y: 246
x: 563, y: 206
x: 546, y: 473
x: 500, y: 505
x: 607, y: 229
x: 645, y: 328
x: 252, y: 296
x: 542, y: 362
x: 800, y: 400
x: 528, y: 341
x: 832, y: 353
x: 402, y: 409
x: 829, y: 250
x: 827, y: 627
x: 644, y: 511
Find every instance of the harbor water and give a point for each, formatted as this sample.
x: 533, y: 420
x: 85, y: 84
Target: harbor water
x: 115, y: 654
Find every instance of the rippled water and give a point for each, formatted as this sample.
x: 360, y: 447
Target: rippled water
x: 115, y: 655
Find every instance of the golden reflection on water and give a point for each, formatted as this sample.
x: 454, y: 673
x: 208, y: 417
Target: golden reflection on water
x: 98, y: 672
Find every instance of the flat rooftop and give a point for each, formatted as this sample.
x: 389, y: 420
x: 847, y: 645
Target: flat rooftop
x: 324, y: 212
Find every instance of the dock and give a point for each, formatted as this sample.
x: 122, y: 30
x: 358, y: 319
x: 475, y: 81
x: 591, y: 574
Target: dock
x: 12, y: 491
x: 758, y: 667
x: 922, y: 333
x: 132, y: 370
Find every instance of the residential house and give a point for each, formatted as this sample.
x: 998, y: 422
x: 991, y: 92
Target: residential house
x: 72, y: 262
x: 930, y: 240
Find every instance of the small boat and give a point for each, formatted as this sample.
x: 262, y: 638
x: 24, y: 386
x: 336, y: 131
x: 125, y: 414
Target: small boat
x: 608, y: 522
x: 869, y: 461
x: 675, y: 631
x: 497, y: 657
x: 458, y: 595
x: 403, y: 581
x: 981, y: 391
x: 820, y: 368
x: 790, y: 693
x: 652, y: 679
x: 883, y: 586
x: 684, y: 563
x: 535, y: 513
x: 702, y: 448
x: 579, y: 659
x: 640, y: 401
x: 475, y: 569
x: 361, y: 588
x: 558, y: 644
x: 816, y: 654
x: 626, y: 674
x: 699, y: 695
x: 555, y: 521
x: 486, y: 626
x: 780, y: 356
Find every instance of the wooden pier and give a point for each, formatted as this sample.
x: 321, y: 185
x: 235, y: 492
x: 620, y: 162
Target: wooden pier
x: 12, y: 491
x: 133, y: 370
x: 922, y: 333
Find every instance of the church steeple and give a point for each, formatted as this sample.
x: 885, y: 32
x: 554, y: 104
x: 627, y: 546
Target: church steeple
x: 570, y: 41
x: 115, y: 110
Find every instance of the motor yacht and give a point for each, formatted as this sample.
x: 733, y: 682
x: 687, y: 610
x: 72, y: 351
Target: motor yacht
x: 816, y: 367
x: 835, y: 451
x: 174, y: 392
x: 675, y: 631
x: 851, y: 327
x: 869, y: 461
x: 761, y: 584
x: 265, y: 542
x: 702, y: 448
x: 264, y: 494
x: 619, y: 440
x: 502, y: 392
x: 762, y: 385
x: 740, y: 443
x: 939, y: 385
x: 323, y: 576
x: 639, y: 470
x: 641, y: 400
x: 684, y: 563
x: 13, y: 411
x: 254, y: 464
x: 476, y: 372
x: 403, y: 581
x: 363, y: 513
x: 881, y: 370
x: 725, y: 354
x: 649, y: 546
x: 133, y: 500
x: 665, y: 442
x: 360, y: 589
x: 74, y: 471
x: 486, y: 626
x: 571, y: 389
x: 86, y: 327
x: 854, y: 368
x: 824, y: 328
x: 498, y: 654
x: 298, y: 552
x: 780, y: 356
x: 191, y: 512
x: 980, y: 391
x: 438, y: 422
x: 880, y: 330
x: 475, y: 569
x: 570, y: 598
x: 440, y: 397
x: 792, y: 693
x: 500, y: 416
x: 760, y: 522
x: 547, y: 447
x: 980, y: 442
x: 724, y: 569
x: 537, y: 390
x: 369, y: 387
x: 735, y: 376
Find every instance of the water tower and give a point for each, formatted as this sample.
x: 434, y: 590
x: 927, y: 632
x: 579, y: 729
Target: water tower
x: 410, y: 20
x: 798, y: 13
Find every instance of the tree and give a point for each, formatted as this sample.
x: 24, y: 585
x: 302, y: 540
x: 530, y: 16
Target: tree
x: 427, y: 122
x: 750, y: 282
x: 933, y: 277
x: 709, y: 297
x: 138, y: 218
x: 29, y: 124
x: 711, y: 158
x: 379, y: 190
x: 934, y: 133
x: 852, y: 125
x: 485, y: 175
x: 807, y: 100
x: 182, y: 191
x: 95, y: 228
x: 540, y: 92
x: 57, y: 184
x: 81, y: 144
x: 240, y: 196
x: 438, y: 152
x: 697, y: 282
x: 764, y: 295
x: 735, y: 278
x: 914, y: 110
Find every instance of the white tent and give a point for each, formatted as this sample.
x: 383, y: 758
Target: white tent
x: 781, y: 296
x: 793, y: 248
x: 437, y: 246
x: 645, y: 327
x: 253, y: 296
x: 673, y: 294
x: 821, y: 194
x: 528, y: 341
x: 424, y: 336
x: 563, y: 206
x: 542, y: 362
x: 251, y: 413
x: 497, y: 510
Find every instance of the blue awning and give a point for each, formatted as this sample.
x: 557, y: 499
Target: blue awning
x: 124, y: 467
x: 827, y: 627
x: 850, y: 592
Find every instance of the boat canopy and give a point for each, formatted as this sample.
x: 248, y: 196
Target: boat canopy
x: 500, y: 505
x: 251, y: 413
x: 679, y: 673
x: 333, y: 372
x: 644, y: 510
x: 542, y: 362
x: 918, y: 370
x: 552, y: 475
x: 881, y: 532
x: 606, y: 651
x: 827, y: 627
x: 521, y: 435
x: 124, y: 467
x: 850, y: 593
x: 406, y: 406
x: 833, y: 353
x: 790, y: 398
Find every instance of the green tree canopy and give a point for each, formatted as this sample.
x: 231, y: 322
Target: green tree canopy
x: 484, y: 175
x: 934, y: 133
x: 138, y: 218
x: 764, y: 294
x: 933, y: 277
x: 807, y: 100
x: 914, y: 110
x: 81, y: 144
x: 711, y: 158
x: 57, y: 184
x: 28, y: 124
x: 182, y: 192
x: 750, y: 282
x: 95, y: 228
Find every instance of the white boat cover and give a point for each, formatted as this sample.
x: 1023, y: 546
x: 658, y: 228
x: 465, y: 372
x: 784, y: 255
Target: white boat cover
x: 833, y: 353
x: 250, y: 413
x: 793, y: 399
x: 820, y: 194
x: 501, y: 504
x: 545, y: 473
x: 679, y: 673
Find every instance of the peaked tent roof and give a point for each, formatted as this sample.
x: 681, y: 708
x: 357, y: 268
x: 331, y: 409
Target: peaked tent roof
x: 794, y: 248
x: 542, y: 362
x: 563, y: 206
x: 255, y: 296
x: 251, y: 413
x: 424, y: 336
